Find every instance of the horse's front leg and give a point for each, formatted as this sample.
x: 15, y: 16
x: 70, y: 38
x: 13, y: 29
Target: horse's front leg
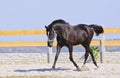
x: 56, y: 56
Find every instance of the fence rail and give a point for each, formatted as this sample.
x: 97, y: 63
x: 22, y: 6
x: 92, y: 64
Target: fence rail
x: 44, y: 43
x: 42, y: 32
x: 21, y: 32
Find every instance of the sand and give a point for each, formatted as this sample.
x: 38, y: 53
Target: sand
x: 66, y: 70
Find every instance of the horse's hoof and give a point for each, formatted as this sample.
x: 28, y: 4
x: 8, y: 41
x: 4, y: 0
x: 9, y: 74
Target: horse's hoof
x: 79, y: 69
x: 52, y: 69
x: 97, y: 66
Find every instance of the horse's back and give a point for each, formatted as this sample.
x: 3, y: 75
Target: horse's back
x: 81, y: 28
x: 78, y: 34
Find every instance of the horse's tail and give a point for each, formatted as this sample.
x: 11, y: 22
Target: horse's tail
x: 98, y: 29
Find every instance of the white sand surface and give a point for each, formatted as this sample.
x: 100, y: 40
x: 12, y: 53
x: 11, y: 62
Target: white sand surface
x: 66, y: 70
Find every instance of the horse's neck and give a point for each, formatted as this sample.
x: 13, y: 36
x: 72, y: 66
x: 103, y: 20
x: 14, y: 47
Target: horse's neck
x: 65, y: 32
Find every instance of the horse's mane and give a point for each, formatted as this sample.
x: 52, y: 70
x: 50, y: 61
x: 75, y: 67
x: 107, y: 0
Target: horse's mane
x: 57, y: 21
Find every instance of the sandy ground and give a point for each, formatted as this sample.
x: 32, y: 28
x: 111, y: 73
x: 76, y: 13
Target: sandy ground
x: 62, y: 70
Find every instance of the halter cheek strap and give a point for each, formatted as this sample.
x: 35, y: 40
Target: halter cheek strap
x: 53, y: 37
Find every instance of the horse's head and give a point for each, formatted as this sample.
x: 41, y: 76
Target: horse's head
x: 50, y: 32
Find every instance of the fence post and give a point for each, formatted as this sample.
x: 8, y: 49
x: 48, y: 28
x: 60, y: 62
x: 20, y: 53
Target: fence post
x: 50, y: 54
x: 102, y: 54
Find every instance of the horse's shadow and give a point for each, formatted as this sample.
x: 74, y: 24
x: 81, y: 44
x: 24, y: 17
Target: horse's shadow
x: 41, y: 69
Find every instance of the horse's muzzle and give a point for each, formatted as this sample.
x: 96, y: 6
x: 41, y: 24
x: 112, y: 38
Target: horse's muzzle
x: 50, y: 44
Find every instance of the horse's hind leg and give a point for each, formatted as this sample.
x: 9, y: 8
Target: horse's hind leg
x: 86, y: 52
x: 91, y: 53
x: 86, y: 57
x: 71, y: 58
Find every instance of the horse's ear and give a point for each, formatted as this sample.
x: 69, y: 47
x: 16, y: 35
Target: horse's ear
x: 46, y: 27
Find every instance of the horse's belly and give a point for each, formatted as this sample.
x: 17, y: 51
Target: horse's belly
x: 77, y: 43
x: 78, y: 37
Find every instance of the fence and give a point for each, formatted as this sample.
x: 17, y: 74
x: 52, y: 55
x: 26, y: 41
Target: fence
x: 44, y: 43
x: 102, y: 42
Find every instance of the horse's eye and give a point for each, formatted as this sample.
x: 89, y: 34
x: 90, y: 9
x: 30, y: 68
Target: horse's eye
x: 47, y: 33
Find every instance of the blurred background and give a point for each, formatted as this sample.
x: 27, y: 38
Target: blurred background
x: 35, y: 14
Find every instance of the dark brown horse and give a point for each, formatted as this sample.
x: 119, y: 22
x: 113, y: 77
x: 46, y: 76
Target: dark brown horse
x: 69, y: 36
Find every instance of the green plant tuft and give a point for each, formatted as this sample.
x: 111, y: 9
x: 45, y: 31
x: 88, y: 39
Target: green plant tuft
x: 96, y: 52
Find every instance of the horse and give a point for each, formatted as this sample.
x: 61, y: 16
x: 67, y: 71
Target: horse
x: 69, y: 35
